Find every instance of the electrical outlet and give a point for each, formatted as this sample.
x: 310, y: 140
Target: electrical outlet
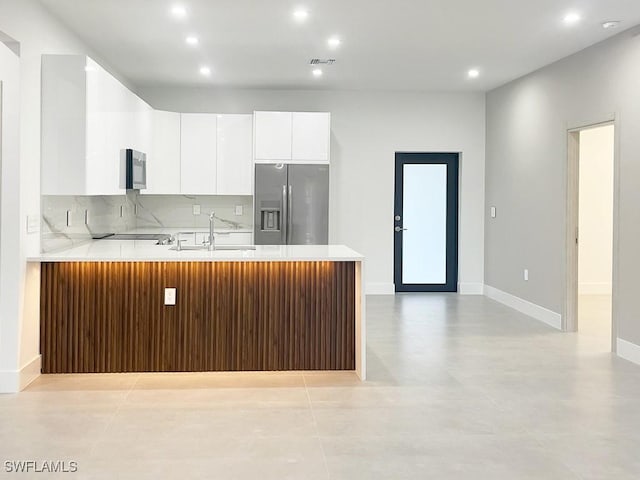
x: 493, y: 212
x: 196, y: 209
x: 238, y: 210
x: 69, y: 218
x: 526, y: 274
x: 169, y: 296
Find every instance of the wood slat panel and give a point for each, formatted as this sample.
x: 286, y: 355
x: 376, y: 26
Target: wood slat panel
x: 111, y: 317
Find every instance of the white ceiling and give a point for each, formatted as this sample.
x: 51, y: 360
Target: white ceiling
x: 390, y: 45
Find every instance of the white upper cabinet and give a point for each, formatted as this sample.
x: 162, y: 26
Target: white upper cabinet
x: 163, y: 161
x: 198, y: 152
x: 291, y: 137
x: 235, y: 159
x: 88, y: 118
x: 310, y: 137
x: 272, y: 136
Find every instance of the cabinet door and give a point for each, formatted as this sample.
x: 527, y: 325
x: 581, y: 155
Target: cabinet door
x: 234, y: 159
x: 198, y: 153
x: 272, y: 136
x: 163, y: 160
x: 310, y: 137
x: 106, y: 131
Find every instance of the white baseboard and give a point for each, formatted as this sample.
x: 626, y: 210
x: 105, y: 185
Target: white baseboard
x: 13, y: 381
x: 30, y: 372
x: 471, y: 289
x: 536, y: 311
x: 373, y: 288
x: 594, y: 289
x: 628, y: 351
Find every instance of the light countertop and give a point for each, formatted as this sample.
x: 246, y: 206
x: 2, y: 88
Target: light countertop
x: 147, y: 251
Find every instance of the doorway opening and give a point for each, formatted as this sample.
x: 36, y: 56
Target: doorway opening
x: 591, y: 218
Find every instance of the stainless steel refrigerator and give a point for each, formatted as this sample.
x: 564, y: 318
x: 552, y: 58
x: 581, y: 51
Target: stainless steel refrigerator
x: 291, y: 204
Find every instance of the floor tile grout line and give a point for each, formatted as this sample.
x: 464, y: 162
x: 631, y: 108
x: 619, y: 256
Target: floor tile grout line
x: 113, y: 416
x: 315, y: 426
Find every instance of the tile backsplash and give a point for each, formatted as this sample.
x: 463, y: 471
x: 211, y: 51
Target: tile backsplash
x: 176, y: 211
x: 116, y: 214
x: 103, y: 216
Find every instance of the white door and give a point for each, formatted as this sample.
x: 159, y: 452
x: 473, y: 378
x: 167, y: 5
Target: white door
x: 272, y: 136
x: 310, y: 137
x: 198, y: 153
x: 234, y: 158
x: 163, y: 161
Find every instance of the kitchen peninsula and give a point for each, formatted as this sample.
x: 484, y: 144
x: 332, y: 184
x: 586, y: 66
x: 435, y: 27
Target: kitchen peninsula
x: 106, y: 306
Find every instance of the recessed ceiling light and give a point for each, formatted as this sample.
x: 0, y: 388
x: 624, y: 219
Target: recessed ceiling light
x: 334, y: 42
x: 192, y: 40
x: 571, y: 18
x: 473, y: 73
x: 300, y: 14
x: 317, y: 72
x: 610, y: 24
x: 206, y: 71
x: 178, y: 11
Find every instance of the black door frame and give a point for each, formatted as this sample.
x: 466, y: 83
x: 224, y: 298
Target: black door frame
x: 451, y: 160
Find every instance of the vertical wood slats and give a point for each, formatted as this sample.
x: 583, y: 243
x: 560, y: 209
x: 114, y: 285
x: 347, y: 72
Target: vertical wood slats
x: 229, y: 316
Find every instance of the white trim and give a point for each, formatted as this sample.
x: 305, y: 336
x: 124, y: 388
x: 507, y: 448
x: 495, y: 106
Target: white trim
x: 536, y: 311
x: 471, y: 289
x: 603, y: 288
x: 13, y: 381
x: 375, y: 288
x: 30, y: 372
x: 629, y: 351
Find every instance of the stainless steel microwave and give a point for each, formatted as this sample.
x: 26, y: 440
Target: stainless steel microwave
x: 136, y: 169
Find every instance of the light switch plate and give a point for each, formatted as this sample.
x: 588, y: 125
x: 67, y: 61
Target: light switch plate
x: 169, y: 296
x: 238, y: 210
x: 493, y: 212
x: 196, y: 209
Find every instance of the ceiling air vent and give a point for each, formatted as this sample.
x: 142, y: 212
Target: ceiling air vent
x: 322, y: 61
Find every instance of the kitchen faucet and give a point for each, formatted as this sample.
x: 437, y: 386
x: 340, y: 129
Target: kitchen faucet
x: 212, y: 241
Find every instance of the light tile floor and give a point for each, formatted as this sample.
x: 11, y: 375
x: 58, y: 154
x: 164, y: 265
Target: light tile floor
x: 459, y: 388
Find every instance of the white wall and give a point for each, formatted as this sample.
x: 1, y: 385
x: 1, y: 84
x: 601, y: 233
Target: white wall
x: 596, y: 211
x: 367, y: 129
x: 10, y: 266
x: 38, y: 33
x: 526, y: 173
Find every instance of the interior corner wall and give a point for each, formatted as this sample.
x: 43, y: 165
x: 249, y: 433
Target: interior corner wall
x: 526, y: 173
x: 367, y: 129
x: 37, y: 32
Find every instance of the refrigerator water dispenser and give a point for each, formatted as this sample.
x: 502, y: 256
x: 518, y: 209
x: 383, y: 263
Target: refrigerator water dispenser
x: 270, y: 219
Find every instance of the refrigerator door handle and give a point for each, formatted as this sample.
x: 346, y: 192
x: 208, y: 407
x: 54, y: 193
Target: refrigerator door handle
x: 284, y: 220
x: 289, y: 215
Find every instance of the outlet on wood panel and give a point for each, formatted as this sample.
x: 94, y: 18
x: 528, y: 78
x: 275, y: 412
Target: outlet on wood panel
x: 169, y: 296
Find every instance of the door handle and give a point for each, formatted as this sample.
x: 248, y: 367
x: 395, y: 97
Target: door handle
x: 399, y: 229
x: 284, y: 214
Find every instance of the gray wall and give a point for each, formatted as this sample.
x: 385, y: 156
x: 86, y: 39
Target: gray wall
x: 526, y: 172
x: 367, y: 129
